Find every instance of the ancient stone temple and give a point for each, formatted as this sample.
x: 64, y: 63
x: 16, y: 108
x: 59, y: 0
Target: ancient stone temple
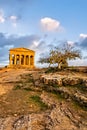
x: 21, y: 57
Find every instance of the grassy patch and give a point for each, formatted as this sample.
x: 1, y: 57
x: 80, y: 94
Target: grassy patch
x: 30, y: 80
x: 82, y: 88
x: 22, y: 87
x: 28, y: 89
x: 38, y: 101
x: 78, y: 87
x: 58, y: 95
x: 55, y: 85
x: 16, y: 87
x: 51, y: 70
x: 19, y: 102
x: 77, y: 106
x: 30, y: 75
x: 20, y: 81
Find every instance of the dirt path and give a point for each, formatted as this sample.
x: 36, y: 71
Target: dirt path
x: 8, y: 77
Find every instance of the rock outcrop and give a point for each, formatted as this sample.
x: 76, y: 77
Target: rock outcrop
x: 62, y: 80
x: 65, y: 86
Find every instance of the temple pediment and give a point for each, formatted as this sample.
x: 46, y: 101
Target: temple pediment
x: 21, y: 49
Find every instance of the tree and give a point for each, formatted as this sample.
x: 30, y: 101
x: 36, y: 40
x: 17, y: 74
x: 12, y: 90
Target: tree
x: 60, y: 56
x: 43, y: 60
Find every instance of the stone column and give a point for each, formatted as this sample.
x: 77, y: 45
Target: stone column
x: 24, y: 59
x: 19, y: 59
x: 10, y: 59
x: 29, y: 60
x: 33, y: 60
x: 15, y: 60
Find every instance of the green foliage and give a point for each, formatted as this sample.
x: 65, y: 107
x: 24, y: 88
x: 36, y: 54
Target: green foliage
x: 78, y: 106
x: 16, y: 87
x: 28, y: 89
x: 30, y: 80
x: 38, y: 100
x: 51, y: 70
x: 55, y: 85
x: 20, y: 81
x: 58, y: 95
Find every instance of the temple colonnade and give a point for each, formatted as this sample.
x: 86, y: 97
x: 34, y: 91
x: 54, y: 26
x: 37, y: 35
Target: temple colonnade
x: 21, y: 56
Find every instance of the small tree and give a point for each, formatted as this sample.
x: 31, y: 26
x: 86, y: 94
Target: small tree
x: 60, y: 56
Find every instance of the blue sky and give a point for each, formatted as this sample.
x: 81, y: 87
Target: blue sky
x: 38, y: 24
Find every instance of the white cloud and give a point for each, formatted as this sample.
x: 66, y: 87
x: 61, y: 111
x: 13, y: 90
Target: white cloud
x: 71, y: 43
x: 14, y: 20
x: 78, y: 62
x: 49, y: 24
x: 2, y: 19
x: 83, y: 36
x: 83, y: 41
x: 36, y: 43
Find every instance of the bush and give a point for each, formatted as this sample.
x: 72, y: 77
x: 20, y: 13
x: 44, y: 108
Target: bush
x: 51, y: 70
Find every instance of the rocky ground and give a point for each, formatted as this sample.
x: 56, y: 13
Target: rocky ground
x: 33, y: 100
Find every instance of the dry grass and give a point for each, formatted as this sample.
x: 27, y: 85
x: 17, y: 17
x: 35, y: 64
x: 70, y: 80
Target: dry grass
x: 17, y: 100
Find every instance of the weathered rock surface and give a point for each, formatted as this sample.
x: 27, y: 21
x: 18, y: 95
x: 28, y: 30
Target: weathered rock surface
x: 72, y: 81
x: 62, y: 81
x: 59, y: 116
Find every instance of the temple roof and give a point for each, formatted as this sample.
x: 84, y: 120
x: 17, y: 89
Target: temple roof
x: 21, y: 49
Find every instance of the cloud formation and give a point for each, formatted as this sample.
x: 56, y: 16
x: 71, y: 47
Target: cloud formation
x: 83, y: 41
x: 49, y: 24
x: 17, y: 41
x: 71, y: 43
x: 12, y: 41
x: 14, y: 19
x: 2, y: 19
x: 36, y: 43
x: 83, y: 35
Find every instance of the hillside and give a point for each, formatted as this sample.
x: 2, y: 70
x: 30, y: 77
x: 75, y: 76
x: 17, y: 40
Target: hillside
x: 38, y: 100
